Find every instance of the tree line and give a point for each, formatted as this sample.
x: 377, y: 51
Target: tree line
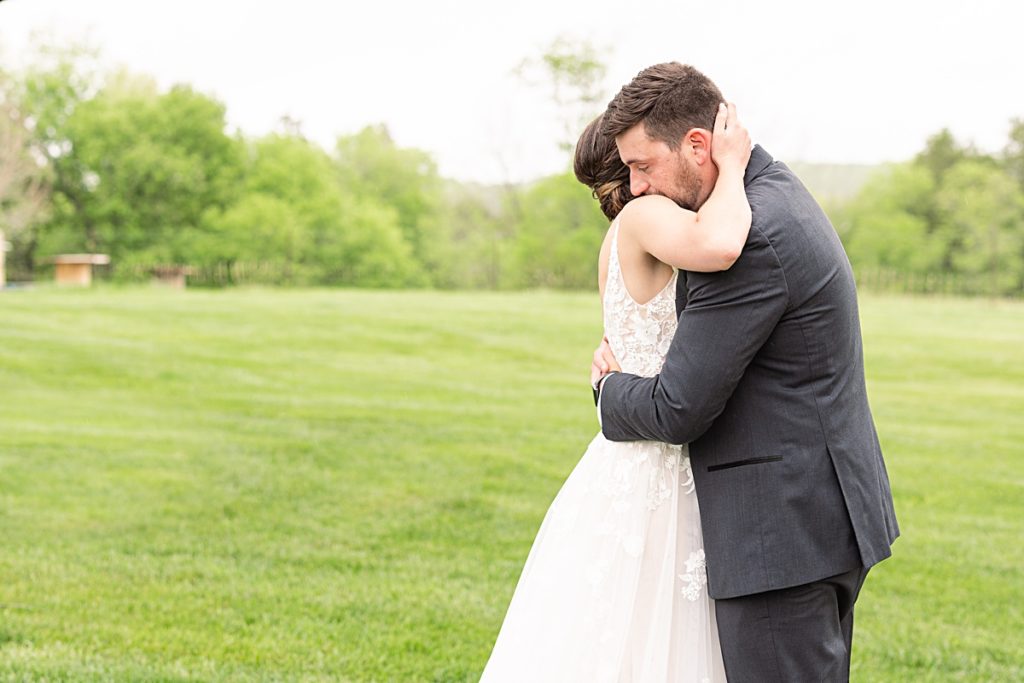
x: 950, y: 215
x: 110, y: 163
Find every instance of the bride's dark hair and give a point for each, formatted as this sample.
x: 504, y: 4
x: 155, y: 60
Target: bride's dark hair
x: 598, y: 166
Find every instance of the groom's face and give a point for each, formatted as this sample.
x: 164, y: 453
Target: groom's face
x: 654, y: 168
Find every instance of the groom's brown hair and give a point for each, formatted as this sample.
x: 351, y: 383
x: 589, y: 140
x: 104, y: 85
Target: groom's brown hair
x: 669, y: 99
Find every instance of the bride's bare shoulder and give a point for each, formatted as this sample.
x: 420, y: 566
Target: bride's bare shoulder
x: 643, y: 210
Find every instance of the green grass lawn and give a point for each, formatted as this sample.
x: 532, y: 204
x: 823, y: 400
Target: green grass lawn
x: 342, y: 486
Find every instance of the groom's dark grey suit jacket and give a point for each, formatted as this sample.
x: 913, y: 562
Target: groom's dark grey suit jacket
x: 765, y: 381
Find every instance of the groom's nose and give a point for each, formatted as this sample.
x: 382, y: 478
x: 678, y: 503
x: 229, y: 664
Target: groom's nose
x: 637, y: 186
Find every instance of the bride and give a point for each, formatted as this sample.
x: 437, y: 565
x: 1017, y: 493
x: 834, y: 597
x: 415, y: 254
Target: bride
x: 614, y: 588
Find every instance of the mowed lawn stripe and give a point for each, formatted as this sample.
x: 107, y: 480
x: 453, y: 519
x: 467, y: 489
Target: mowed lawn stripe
x: 325, y: 485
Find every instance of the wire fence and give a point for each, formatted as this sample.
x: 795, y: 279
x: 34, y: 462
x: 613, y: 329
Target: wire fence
x: 889, y: 280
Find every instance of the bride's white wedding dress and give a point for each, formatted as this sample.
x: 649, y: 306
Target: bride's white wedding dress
x: 614, y: 588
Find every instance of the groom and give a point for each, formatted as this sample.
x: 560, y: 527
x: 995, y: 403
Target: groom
x: 765, y: 381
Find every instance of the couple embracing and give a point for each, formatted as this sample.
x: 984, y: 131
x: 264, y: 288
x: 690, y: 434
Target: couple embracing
x: 721, y: 524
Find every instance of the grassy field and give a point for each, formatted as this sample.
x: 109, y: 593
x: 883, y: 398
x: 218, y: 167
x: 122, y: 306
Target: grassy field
x: 263, y: 485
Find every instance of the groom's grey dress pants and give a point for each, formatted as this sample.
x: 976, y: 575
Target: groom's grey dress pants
x: 791, y: 635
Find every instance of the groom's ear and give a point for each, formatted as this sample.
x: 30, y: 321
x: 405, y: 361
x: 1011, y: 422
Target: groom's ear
x: 698, y: 144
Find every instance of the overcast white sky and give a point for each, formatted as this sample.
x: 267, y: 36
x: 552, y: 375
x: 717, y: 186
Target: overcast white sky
x: 864, y: 81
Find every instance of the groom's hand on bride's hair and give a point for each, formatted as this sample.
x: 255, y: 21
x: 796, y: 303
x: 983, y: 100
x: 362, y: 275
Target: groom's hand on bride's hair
x: 603, y: 363
x: 730, y: 141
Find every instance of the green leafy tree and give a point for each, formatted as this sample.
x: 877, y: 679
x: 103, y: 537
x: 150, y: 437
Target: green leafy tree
x: 983, y: 216
x: 46, y: 95
x: 941, y: 153
x: 1013, y: 154
x: 371, y: 251
x: 475, y: 238
x: 295, y: 176
x: 140, y: 169
x: 560, y: 235
x: 887, y: 225
x: 370, y: 164
x: 294, y: 214
x: 24, y: 183
x: 257, y: 229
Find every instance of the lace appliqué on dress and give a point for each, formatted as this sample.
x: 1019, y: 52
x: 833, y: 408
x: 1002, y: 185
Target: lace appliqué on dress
x: 656, y: 466
x: 686, y: 478
x: 639, y: 334
x: 696, y: 576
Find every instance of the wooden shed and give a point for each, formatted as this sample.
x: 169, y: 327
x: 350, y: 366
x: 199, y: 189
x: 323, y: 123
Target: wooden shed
x: 76, y: 269
x: 171, y: 275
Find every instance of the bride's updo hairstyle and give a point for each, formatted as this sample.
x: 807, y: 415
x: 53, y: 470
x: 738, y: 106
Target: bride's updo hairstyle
x: 598, y: 166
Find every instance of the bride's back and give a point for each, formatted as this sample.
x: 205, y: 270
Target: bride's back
x: 638, y: 333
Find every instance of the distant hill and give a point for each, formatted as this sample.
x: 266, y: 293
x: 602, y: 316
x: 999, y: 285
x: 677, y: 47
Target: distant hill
x: 834, y: 182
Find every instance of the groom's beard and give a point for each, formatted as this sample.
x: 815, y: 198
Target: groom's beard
x: 687, y: 190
